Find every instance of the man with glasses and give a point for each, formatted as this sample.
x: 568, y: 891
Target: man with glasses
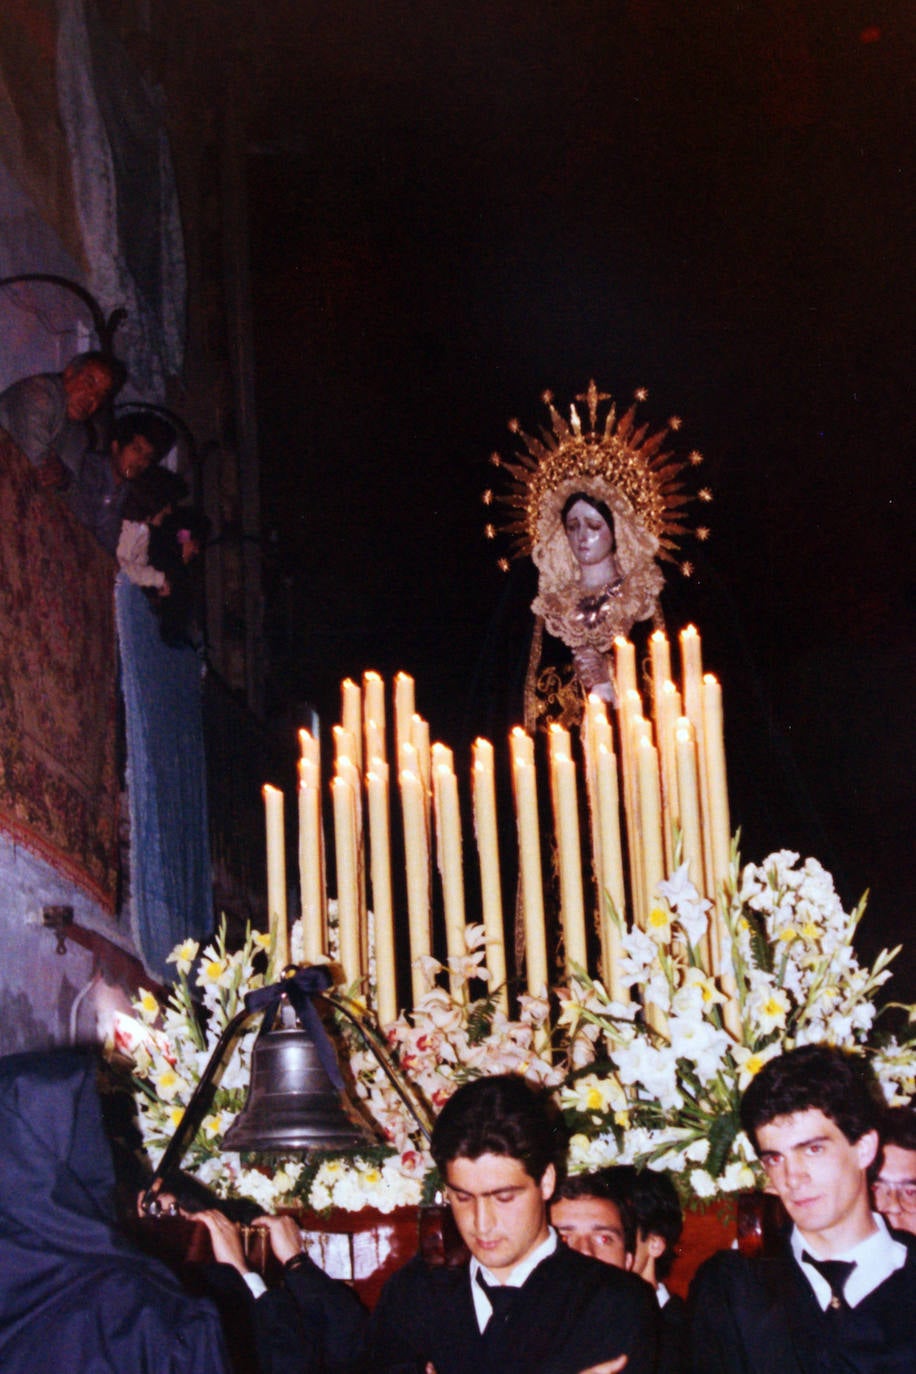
x: 894, y: 1185
x: 525, y: 1304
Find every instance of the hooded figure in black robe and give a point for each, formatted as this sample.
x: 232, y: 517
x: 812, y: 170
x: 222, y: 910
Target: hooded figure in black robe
x: 75, y: 1295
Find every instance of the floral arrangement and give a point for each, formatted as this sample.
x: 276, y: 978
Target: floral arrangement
x: 666, y: 1096
x: 660, y: 1091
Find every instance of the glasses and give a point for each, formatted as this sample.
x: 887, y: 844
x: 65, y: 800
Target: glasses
x: 901, y: 1194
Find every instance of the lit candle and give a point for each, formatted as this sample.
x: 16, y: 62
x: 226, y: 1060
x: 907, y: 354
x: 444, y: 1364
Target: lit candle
x: 309, y: 747
x: 345, y: 767
x: 720, y: 837
x: 612, y: 874
x: 374, y: 709
x: 345, y: 746
x: 276, y: 876
x: 311, y: 876
x: 484, y: 797
x: 668, y: 710
x: 442, y: 756
x: 595, y: 714
x: 419, y: 738
x: 689, y: 820
x: 630, y: 713
x: 652, y: 850
x: 345, y: 847
x: 598, y: 727
x: 660, y: 659
x: 351, y: 718
x: 375, y: 742
x: 416, y: 855
x: 714, y: 746
x: 403, y: 709
x: 448, y: 852
x: 692, y: 674
x: 380, y: 866
x: 692, y: 689
x: 566, y: 824
x: 624, y: 667
x: 650, y: 826
x: 529, y: 849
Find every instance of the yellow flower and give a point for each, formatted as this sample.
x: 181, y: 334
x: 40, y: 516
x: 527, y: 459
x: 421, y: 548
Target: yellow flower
x: 212, y: 971
x: 183, y: 955
x: 622, y: 1119
x: 261, y: 939
x: 709, y: 993
x: 371, y: 1176
x: 788, y: 933
x: 167, y: 1084
x: 658, y: 924
x: 175, y: 1115
x: 147, y: 1005
x: 213, y: 1125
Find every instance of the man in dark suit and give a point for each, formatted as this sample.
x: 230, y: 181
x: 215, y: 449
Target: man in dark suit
x: 524, y: 1304
x: 840, y: 1296
x: 631, y: 1218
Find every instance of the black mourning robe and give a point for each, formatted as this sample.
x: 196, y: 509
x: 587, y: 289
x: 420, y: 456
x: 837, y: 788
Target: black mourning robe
x: 75, y: 1295
x: 572, y: 1313
x: 672, y: 1338
x: 307, y: 1324
x: 760, y: 1316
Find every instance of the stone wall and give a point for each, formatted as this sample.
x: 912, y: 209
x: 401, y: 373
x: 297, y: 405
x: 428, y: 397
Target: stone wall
x: 47, y: 998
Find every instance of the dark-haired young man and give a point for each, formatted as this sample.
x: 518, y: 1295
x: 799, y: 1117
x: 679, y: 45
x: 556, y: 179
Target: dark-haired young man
x: 631, y: 1218
x: 841, y: 1297
x: 591, y: 1215
x: 524, y: 1304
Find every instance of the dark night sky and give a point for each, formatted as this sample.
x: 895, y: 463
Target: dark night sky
x: 456, y: 206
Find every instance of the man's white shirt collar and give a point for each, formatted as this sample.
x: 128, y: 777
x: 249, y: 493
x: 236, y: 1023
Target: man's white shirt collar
x: 876, y: 1258
x: 520, y: 1273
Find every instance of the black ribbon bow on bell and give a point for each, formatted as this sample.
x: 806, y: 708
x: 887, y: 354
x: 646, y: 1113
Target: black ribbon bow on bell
x: 300, y: 986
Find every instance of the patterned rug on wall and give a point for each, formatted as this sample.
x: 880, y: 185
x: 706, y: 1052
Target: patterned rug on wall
x: 58, y: 684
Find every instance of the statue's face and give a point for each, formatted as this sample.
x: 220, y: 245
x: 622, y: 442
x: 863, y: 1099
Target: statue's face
x: 589, y: 536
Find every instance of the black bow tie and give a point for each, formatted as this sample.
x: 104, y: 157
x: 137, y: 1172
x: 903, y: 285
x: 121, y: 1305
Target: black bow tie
x: 501, y: 1298
x: 836, y: 1272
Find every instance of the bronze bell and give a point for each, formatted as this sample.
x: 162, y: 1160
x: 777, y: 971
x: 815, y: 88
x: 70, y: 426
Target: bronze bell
x: 292, y: 1103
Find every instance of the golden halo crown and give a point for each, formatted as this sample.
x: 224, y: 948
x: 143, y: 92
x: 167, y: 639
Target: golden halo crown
x: 618, y: 455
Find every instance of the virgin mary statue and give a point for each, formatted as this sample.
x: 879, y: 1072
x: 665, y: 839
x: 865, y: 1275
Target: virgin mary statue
x: 597, y: 508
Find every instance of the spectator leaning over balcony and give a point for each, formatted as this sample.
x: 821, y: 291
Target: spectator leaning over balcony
x: 45, y: 415
x: 98, y: 495
x: 175, y: 545
x: 153, y: 496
